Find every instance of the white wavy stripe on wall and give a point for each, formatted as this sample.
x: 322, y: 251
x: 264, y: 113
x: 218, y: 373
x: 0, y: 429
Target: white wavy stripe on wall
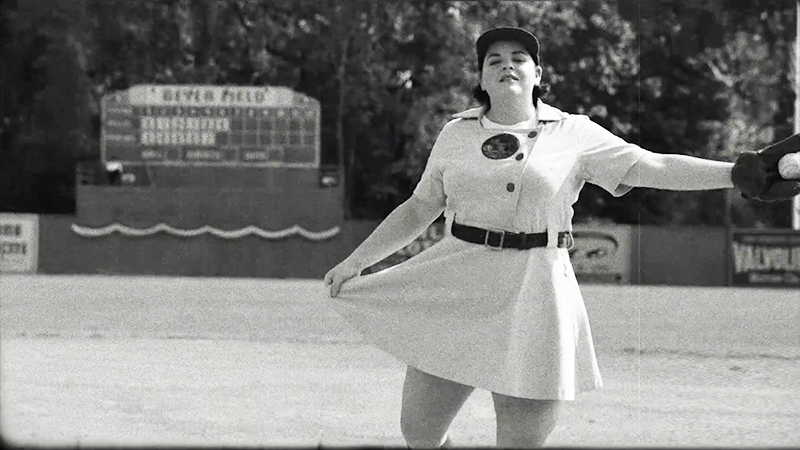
x: 224, y: 234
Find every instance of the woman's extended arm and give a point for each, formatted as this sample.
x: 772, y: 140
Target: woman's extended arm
x: 402, y: 226
x: 679, y: 173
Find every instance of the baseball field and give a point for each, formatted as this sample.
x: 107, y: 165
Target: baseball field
x: 111, y: 360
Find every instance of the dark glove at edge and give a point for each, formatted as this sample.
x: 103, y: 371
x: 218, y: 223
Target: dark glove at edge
x: 755, y: 174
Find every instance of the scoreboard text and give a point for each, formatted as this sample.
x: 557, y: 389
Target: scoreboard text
x: 212, y: 125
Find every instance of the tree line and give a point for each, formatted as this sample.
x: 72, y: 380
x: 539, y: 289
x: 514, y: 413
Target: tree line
x: 709, y: 79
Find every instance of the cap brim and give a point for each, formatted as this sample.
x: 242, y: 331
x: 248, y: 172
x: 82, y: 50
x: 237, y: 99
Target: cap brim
x: 524, y: 37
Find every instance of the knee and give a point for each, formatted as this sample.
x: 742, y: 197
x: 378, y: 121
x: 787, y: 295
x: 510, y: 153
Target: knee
x: 524, y: 438
x: 419, y: 434
x: 526, y: 424
x: 525, y: 435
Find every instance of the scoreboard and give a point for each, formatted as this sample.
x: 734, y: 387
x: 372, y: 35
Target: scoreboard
x: 210, y: 125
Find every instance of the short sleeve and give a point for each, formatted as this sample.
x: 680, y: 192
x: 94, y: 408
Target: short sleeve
x: 431, y: 185
x: 606, y: 158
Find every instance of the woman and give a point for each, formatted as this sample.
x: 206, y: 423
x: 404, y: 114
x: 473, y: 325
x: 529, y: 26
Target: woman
x: 495, y: 305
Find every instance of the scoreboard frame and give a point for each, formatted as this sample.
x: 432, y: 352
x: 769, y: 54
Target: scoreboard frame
x: 204, y: 125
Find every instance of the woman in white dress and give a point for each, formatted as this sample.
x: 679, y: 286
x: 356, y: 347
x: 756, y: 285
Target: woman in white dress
x: 495, y: 304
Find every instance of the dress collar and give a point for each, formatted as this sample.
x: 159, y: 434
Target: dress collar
x: 546, y: 113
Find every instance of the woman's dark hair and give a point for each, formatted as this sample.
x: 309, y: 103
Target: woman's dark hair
x: 482, y: 96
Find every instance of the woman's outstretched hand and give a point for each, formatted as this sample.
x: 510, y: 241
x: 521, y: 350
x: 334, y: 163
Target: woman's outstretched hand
x: 344, y: 271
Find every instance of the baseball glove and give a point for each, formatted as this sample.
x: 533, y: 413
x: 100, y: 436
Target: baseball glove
x: 755, y: 174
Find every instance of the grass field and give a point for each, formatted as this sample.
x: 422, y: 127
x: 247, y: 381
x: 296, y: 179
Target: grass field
x: 99, y: 360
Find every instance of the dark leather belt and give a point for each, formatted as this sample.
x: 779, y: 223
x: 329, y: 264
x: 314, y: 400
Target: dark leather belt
x: 505, y: 239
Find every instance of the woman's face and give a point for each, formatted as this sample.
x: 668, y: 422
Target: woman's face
x: 509, y: 70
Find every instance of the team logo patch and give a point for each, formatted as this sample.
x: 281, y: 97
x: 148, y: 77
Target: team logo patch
x: 500, y: 146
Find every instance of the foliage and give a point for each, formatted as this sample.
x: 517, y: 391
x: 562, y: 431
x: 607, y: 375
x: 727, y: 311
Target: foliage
x: 707, y: 78
x: 46, y: 107
x: 712, y: 82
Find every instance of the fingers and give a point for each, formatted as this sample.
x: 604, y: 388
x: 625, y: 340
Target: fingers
x: 337, y: 284
x: 334, y: 281
x: 330, y: 282
x: 329, y: 279
x: 339, y: 274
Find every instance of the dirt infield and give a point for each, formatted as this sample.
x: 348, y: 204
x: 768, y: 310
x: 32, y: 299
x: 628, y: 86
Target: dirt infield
x: 185, y: 361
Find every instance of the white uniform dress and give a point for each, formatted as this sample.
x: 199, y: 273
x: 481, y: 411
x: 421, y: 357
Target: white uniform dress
x: 508, y: 321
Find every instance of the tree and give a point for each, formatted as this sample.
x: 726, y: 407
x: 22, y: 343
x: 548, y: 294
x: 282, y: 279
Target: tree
x: 756, y: 66
x: 45, y: 104
x: 675, y: 77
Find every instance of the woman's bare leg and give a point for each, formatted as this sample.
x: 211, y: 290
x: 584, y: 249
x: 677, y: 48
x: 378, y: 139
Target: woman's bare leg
x: 523, y: 422
x: 429, y: 406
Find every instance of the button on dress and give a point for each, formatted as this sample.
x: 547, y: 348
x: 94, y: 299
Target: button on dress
x: 508, y: 321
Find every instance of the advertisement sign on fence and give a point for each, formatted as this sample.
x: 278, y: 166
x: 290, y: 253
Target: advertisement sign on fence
x: 765, y: 258
x: 602, y: 254
x: 19, y: 242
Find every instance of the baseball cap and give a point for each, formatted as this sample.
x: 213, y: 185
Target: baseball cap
x: 524, y: 37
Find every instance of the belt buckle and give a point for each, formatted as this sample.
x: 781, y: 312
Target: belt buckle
x: 502, y: 239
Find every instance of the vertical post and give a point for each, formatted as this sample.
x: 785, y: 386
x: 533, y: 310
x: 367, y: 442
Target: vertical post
x: 796, y: 199
x: 726, y: 198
